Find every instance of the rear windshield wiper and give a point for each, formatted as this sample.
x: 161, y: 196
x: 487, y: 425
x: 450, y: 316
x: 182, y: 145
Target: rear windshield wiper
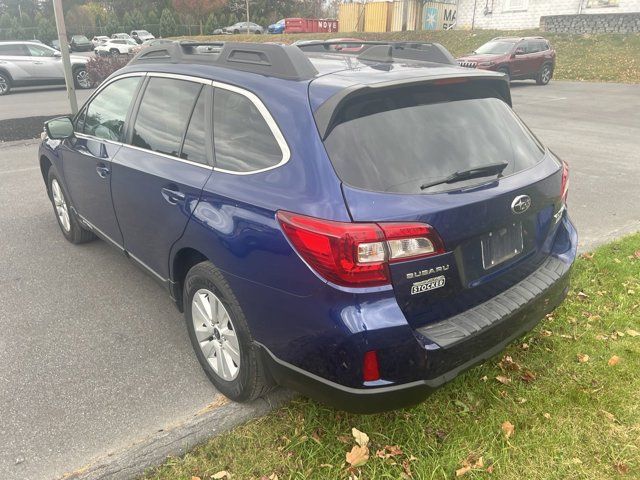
x: 475, y: 172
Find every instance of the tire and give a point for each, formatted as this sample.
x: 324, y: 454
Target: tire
x: 81, y: 78
x: 236, y: 32
x: 223, y: 336
x: 67, y: 221
x: 505, y: 70
x: 5, y: 84
x: 114, y: 51
x: 545, y: 75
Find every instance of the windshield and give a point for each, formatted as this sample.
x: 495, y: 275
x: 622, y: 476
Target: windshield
x: 404, y: 139
x: 496, y: 47
x: 143, y: 32
x: 80, y: 38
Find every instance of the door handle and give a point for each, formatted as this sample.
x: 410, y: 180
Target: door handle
x: 173, y: 195
x: 102, y: 170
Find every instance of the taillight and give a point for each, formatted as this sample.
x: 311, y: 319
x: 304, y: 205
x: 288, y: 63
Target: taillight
x: 357, y: 254
x: 564, y: 188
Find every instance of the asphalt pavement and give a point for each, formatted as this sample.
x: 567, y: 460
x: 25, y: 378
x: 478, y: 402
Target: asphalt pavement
x: 94, y: 357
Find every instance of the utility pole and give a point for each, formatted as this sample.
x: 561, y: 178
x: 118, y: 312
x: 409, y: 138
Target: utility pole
x: 248, y: 29
x: 64, y: 49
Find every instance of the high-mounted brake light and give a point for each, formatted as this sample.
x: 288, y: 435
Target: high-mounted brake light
x: 357, y: 254
x: 564, y: 188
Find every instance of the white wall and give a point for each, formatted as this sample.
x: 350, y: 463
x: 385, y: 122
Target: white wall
x: 529, y: 16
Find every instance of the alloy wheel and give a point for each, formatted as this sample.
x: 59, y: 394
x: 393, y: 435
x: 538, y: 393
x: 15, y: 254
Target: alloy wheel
x: 546, y: 74
x: 4, y: 85
x: 216, y: 334
x: 60, y: 205
x: 82, y: 77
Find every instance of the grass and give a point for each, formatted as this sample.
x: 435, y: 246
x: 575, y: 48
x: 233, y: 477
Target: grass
x: 600, y: 58
x: 572, y: 419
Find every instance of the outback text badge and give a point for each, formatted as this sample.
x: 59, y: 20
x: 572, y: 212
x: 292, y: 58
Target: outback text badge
x: 427, y: 285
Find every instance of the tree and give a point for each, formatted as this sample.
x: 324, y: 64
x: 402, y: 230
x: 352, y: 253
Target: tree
x: 211, y: 25
x: 168, y: 25
x: 152, y: 23
x: 200, y: 9
x: 111, y: 24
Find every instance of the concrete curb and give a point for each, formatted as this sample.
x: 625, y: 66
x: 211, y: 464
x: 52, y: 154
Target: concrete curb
x: 219, y: 417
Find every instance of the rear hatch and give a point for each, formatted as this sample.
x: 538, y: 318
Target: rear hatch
x: 452, y: 155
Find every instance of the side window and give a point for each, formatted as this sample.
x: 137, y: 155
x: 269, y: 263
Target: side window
x: 195, y: 142
x: 156, y: 130
x: 13, y: 50
x: 532, y: 47
x: 37, y: 51
x: 107, y: 112
x: 542, y: 46
x: 243, y: 140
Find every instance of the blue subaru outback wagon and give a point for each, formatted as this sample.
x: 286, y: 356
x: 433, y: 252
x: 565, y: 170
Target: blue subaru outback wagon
x: 358, y: 226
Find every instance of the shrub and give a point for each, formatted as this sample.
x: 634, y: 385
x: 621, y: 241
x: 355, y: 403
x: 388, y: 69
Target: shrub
x: 100, y: 67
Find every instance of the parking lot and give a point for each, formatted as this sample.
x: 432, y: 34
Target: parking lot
x: 94, y: 356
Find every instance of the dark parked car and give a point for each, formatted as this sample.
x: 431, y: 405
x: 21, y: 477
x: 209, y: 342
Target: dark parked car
x: 518, y: 58
x: 400, y: 227
x: 244, y: 27
x: 80, y: 43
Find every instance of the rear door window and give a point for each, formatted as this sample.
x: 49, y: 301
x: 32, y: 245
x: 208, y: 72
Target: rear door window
x: 13, y: 50
x: 164, y: 113
x: 409, y: 137
x: 244, y: 141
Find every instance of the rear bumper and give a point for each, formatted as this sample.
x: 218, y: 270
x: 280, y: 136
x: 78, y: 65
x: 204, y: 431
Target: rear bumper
x: 451, y: 346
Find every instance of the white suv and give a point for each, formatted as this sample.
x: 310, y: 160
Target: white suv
x: 116, y: 46
x: 33, y: 63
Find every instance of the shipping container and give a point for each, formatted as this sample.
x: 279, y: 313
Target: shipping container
x: 351, y: 17
x: 412, y: 15
x: 438, y: 15
x: 310, y: 25
x: 377, y: 16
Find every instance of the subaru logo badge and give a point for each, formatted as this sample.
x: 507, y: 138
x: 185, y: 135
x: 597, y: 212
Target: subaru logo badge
x: 521, y: 204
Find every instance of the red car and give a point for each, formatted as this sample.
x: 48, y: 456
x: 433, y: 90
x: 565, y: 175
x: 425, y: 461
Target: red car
x: 517, y: 57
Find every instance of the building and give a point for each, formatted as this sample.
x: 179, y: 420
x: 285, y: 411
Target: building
x: 523, y: 14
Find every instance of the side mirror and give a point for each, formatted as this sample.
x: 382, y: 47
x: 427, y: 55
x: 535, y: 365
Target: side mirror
x: 59, y: 128
x: 57, y: 54
x: 519, y: 51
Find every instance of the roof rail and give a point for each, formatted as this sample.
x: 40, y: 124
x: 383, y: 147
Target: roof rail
x: 383, y: 52
x: 281, y: 61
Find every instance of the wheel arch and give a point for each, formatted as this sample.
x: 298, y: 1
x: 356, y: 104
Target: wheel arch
x: 182, y: 261
x: 5, y: 72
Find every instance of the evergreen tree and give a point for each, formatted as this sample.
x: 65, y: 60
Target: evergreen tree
x: 168, y: 24
x: 153, y: 23
x: 211, y: 25
x: 112, y: 24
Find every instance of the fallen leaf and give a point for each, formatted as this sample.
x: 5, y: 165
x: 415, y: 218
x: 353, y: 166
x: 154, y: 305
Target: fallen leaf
x: 524, y: 346
x: 507, y: 363
x: 344, y: 438
x: 583, y: 357
x: 608, y: 416
x: 407, y: 468
x: 389, y: 451
x: 490, y: 469
x: 358, y: 456
x: 632, y: 333
x: 504, y: 380
x: 587, y: 255
x: 547, y: 416
x: 521, y: 400
x: 545, y: 333
x: 601, y: 337
x: 507, y: 428
x: 193, y: 477
x: 613, y: 361
x: 582, y: 296
x: 463, y: 471
x: 220, y: 475
x: 621, y: 468
x: 576, y: 461
x: 636, y: 254
x: 528, y: 376
x: 362, y: 438
x: 485, y: 378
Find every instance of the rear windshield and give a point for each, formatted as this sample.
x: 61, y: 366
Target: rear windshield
x: 404, y: 139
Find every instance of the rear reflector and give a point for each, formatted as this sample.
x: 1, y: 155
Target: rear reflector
x: 370, y: 367
x: 564, y: 189
x: 357, y: 254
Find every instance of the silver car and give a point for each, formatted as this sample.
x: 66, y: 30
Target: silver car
x: 244, y: 27
x: 32, y: 63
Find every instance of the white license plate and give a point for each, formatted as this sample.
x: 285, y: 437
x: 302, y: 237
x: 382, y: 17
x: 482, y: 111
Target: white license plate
x: 501, y: 245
